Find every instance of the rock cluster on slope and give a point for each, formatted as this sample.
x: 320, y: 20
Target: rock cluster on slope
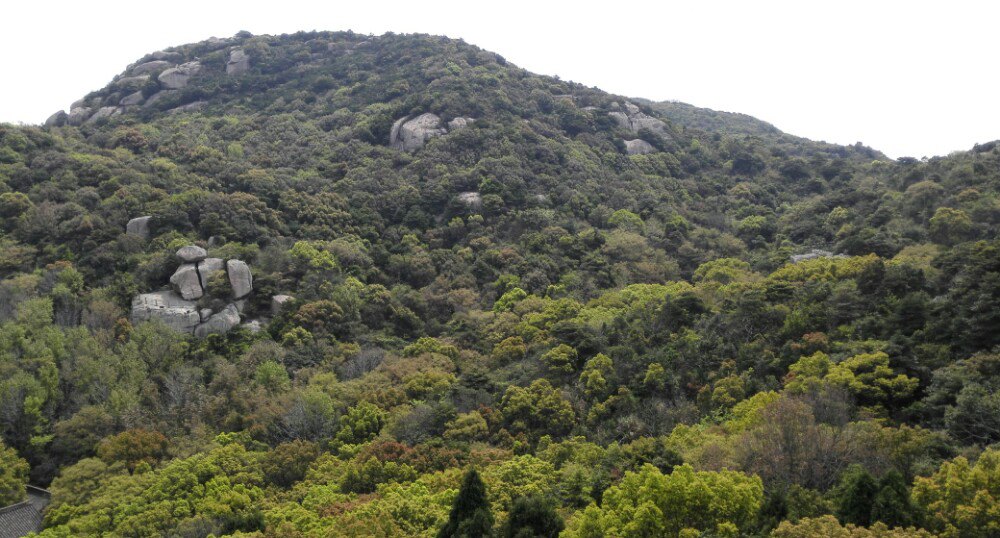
x: 178, y: 308
x: 632, y: 119
x: 409, y: 134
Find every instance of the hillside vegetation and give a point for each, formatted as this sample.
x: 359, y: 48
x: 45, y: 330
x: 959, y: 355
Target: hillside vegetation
x: 522, y: 323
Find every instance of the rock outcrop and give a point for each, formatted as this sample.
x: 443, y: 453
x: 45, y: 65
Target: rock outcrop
x: 278, y: 302
x: 219, y: 323
x: 150, y: 67
x: 411, y: 134
x: 131, y: 99
x: 178, y: 307
x: 239, y: 278
x: 57, y: 120
x: 238, y: 62
x: 633, y: 119
x: 138, y: 227
x: 813, y: 254
x: 459, y: 123
x: 187, y: 283
x: 176, y: 78
x: 167, y: 307
x: 638, y: 147
x: 168, y: 56
x: 191, y: 254
x: 78, y: 115
x: 104, y: 112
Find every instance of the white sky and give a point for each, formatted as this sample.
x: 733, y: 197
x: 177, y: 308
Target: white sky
x: 908, y: 78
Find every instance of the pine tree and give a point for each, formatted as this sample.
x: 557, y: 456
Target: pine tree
x: 857, y: 495
x: 470, y: 515
x: 892, y: 503
x: 533, y: 517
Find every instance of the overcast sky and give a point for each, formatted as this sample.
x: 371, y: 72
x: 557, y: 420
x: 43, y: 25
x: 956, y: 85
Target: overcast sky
x: 908, y: 78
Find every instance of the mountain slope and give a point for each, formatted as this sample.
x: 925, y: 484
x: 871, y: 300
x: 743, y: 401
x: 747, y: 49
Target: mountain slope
x: 478, y: 266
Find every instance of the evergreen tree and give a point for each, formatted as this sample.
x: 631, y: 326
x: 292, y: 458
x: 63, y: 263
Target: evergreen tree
x: 857, y: 495
x: 470, y: 515
x: 532, y: 517
x: 892, y: 503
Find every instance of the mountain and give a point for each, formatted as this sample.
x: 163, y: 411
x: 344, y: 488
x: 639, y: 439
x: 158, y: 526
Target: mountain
x: 296, y: 285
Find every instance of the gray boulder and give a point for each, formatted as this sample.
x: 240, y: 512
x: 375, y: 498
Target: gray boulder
x: 205, y: 313
x: 138, y: 227
x: 815, y: 253
x: 168, y: 56
x: 638, y: 147
x: 459, y: 123
x: 167, y: 307
x: 176, y: 78
x: 191, y: 254
x: 633, y: 119
x: 208, y: 268
x: 157, y: 96
x: 411, y: 134
x: 240, y: 278
x: 131, y: 99
x: 104, y: 112
x: 131, y: 83
x: 219, y: 323
x: 190, y: 107
x: 238, y: 62
x: 254, y: 326
x: 78, y: 115
x: 187, y: 282
x: 57, y: 120
x: 278, y: 302
x: 150, y: 67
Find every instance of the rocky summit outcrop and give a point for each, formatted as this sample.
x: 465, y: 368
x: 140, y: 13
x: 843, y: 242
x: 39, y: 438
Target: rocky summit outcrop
x: 238, y: 62
x: 180, y: 309
x: 58, y: 119
x: 631, y: 118
x: 176, y: 78
x: 150, y: 67
x: 411, y: 134
x: 638, y: 147
x: 78, y: 115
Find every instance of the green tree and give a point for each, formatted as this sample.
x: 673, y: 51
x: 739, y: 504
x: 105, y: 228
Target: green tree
x: 470, y: 515
x: 855, y: 496
x: 532, y: 517
x: 13, y: 475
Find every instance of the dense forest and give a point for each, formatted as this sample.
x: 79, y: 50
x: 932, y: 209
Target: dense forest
x: 567, y: 314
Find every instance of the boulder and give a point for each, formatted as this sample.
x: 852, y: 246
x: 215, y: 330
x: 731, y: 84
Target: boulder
x: 78, y: 103
x: 633, y: 119
x: 150, y: 67
x: 187, y: 282
x: 78, y: 115
x: 168, y: 56
x: 131, y: 99
x: 138, y: 227
x: 638, y: 147
x: 205, y: 313
x: 176, y: 78
x: 157, y: 96
x: 238, y: 62
x: 411, y: 134
x: 190, y: 107
x: 813, y: 254
x: 278, y: 302
x: 132, y: 83
x: 219, y: 323
x: 104, y: 112
x: 191, y: 254
x: 167, y: 307
x: 239, y: 278
x: 459, y: 123
x: 57, y: 120
x: 208, y: 268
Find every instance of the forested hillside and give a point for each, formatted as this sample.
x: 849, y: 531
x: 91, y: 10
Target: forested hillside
x: 487, y: 302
